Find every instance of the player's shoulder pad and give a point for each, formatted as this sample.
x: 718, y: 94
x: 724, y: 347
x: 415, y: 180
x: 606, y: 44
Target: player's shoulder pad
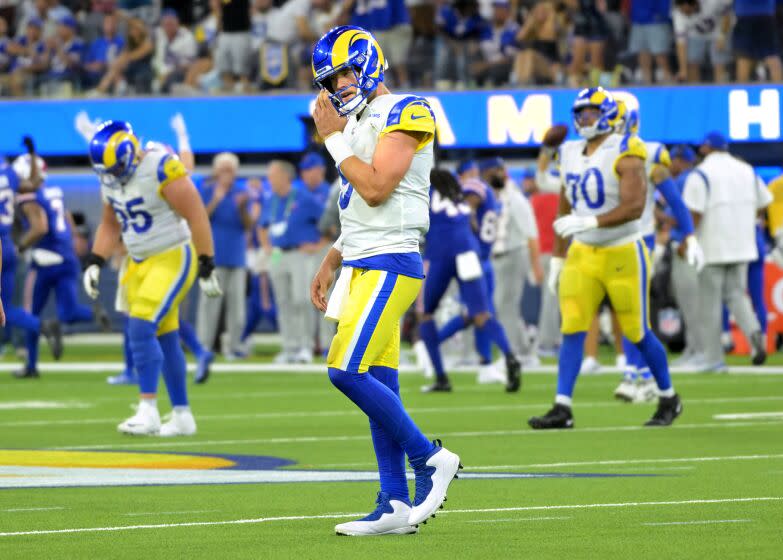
x: 776, y: 189
x: 632, y: 145
x: 660, y: 155
x: 170, y: 167
x: 411, y: 114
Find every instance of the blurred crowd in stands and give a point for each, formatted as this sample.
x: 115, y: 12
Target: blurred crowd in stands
x: 125, y: 47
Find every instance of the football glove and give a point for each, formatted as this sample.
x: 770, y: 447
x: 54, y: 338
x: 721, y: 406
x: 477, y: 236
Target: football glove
x: 555, y: 268
x: 207, y: 276
x: 569, y: 225
x: 694, y: 255
x: 92, y: 274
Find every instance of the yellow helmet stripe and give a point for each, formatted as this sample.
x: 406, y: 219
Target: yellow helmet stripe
x: 341, y: 46
x: 110, y: 151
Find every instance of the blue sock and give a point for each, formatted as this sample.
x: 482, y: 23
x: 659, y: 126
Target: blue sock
x: 571, y: 351
x: 655, y: 356
x: 725, y: 320
x: 429, y: 336
x: 31, y: 343
x: 634, y: 360
x: 129, y: 371
x: 483, y: 344
x: 378, y: 402
x: 496, y: 334
x: 18, y: 317
x: 174, y: 368
x: 147, y: 355
x: 189, y: 338
x: 390, y: 456
x: 452, y: 327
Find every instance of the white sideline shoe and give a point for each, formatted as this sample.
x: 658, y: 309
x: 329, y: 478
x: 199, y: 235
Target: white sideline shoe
x: 589, y: 365
x: 389, y: 518
x: 646, y: 391
x: 488, y: 374
x: 181, y: 423
x: 146, y: 421
x: 626, y: 391
x: 433, y: 473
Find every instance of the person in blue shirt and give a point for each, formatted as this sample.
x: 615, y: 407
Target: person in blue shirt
x: 5, y: 57
x: 651, y: 37
x: 498, y: 48
x: 756, y: 38
x: 461, y: 29
x: 55, y: 266
x: 452, y: 252
x: 30, y: 61
x: 289, y: 237
x: 228, y: 207
x: 10, y: 185
x: 312, y: 175
x: 66, y: 54
x: 102, y: 52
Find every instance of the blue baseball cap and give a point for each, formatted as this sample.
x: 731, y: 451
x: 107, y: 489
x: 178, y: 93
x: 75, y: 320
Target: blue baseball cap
x: 491, y: 163
x: 527, y: 173
x: 69, y: 21
x: 35, y: 22
x: 466, y: 165
x: 683, y: 151
x: 169, y: 12
x: 310, y: 160
x: 715, y: 140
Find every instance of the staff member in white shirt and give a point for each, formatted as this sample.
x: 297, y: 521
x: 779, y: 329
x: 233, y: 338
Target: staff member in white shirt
x: 724, y: 195
x: 514, y: 253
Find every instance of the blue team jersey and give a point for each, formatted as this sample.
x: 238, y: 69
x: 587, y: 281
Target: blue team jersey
x: 450, y: 231
x: 9, y: 185
x: 292, y: 220
x: 228, y: 230
x: 486, y: 215
x: 75, y: 52
x: 379, y: 15
x: 58, y: 238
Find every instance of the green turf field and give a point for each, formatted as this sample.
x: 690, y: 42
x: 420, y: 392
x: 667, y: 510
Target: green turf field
x: 709, y: 487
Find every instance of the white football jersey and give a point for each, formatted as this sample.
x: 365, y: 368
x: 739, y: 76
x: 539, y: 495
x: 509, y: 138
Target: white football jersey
x: 396, y: 225
x: 657, y: 154
x: 149, y: 225
x: 593, y: 188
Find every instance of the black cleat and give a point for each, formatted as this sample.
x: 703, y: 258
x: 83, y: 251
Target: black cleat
x: 669, y: 408
x: 26, y: 373
x: 441, y: 385
x: 758, y: 350
x: 557, y: 418
x: 53, y: 334
x: 101, y: 317
x: 513, y: 374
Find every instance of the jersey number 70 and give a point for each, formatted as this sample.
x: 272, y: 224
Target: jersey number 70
x: 130, y: 215
x: 575, y: 182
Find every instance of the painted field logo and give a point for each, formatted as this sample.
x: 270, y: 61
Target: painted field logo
x: 29, y: 468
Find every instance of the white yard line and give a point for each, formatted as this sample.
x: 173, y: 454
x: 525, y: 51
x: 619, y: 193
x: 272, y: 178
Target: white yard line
x: 704, y: 522
x: 514, y: 519
x: 363, y: 437
x: 413, y: 410
x: 349, y: 515
x: 143, y: 513
x: 622, y: 462
x: 748, y: 416
x: 19, y: 510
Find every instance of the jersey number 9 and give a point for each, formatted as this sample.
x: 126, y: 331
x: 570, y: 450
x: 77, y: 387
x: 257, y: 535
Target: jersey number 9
x: 592, y: 192
x: 130, y: 216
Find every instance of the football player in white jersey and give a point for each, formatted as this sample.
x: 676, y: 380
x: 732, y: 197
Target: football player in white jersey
x: 601, y: 202
x: 151, y: 203
x: 638, y: 384
x: 382, y: 145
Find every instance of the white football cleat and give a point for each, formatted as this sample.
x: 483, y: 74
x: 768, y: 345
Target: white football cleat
x: 304, y: 356
x: 389, y: 518
x: 181, y: 423
x: 646, y: 391
x: 626, y: 390
x: 589, y: 365
x: 489, y: 373
x: 620, y: 362
x: 146, y: 421
x: 433, y: 473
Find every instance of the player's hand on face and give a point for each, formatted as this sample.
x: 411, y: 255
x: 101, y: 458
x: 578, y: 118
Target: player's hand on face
x: 326, y: 118
x: 320, y: 286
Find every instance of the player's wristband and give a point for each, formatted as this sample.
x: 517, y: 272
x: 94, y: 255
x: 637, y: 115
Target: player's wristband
x: 206, y: 264
x: 338, y: 147
x: 93, y: 259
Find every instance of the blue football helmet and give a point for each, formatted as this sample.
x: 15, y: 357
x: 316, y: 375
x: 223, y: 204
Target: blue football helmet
x: 600, y: 99
x: 115, y: 152
x: 627, y: 119
x: 351, y: 47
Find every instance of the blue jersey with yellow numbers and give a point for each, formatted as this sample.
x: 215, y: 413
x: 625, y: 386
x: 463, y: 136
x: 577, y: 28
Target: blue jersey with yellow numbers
x: 9, y: 186
x: 450, y: 232
x: 593, y: 187
x: 386, y: 236
x: 149, y: 225
x: 486, y: 215
x: 58, y: 238
x: 657, y: 155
